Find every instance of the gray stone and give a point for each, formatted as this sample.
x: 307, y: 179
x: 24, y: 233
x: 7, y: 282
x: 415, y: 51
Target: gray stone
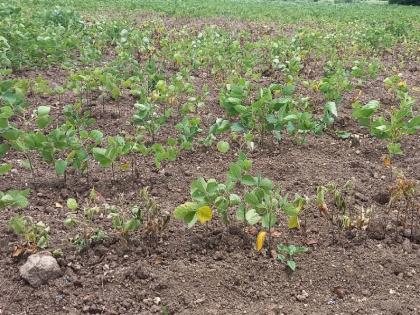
x: 302, y: 297
x: 40, y: 268
x: 415, y: 235
x: 406, y: 245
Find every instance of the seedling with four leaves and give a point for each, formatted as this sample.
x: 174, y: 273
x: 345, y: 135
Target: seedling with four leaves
x: 286, y: 254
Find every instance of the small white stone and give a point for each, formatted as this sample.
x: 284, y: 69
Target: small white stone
x: 157, y: 300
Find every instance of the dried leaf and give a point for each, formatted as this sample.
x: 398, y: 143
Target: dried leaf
x: 387, y: 162
x: 251, y: 230
x: 275, y: 233
x: 311, y: 242
x: 17, y: 251
x: 323, y: 209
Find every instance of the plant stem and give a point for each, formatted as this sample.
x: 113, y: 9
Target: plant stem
x: 30, y: 164
x: 87, y: 174
x: 269, y: 232
x: 112, y: 170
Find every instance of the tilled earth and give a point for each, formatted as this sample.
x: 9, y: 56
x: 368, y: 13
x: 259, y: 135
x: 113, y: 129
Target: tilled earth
x: 215, y: 269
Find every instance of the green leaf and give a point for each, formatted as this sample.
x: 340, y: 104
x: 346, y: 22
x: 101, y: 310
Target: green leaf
x: 191, y: 219
x: 240, y: 213
x: 43, y: 121
x: 394, y: 149
x: 132, y: 225
x: 252, y: 199
x: 43, y: 110
x: 18, y: 224
x: 331, y: 108
x: 4, y: 123
x: 5, y: 168
x: 268, y: 220
x: 234, y: 199
x: 266, y: 184
x: 293, y: 249
x: 235, y: 171
x: 100, y: 155
x: 25, y: 164
x: 14, y: 198
x: 42, y: 242
x: 414, y: 123
x: 282, y: 258
x: 252, y: 217
x: 343, y: 134
x: 96, y: 135
x: 72, y: 204
x: 3, y: 149
x: 291, y: 264
x: 70, y: 222
x: 249, y: 180
x: 60, y: 167
x: 223, y: 146
x: 237, y: 127
x: 364, y: 113
x: 186, y: 212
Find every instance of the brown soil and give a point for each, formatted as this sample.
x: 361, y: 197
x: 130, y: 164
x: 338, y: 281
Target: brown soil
x: 215, y: 269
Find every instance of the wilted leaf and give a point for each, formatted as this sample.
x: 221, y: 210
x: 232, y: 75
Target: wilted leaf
x: 260, y: 240
x: 125, y: 166
x: 204, y: 214
x: 293, y: 222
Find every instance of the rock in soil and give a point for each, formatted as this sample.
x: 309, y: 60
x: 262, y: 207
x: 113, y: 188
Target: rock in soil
x: 406, y: 245
x: 40, y: 268
x: 376, y: 230
x: 302, y: 297
x: 382, y: 198
x: 340, y: 292
x: 416, y: 234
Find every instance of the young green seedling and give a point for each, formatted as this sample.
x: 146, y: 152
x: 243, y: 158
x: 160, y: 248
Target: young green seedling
x: 34, y: 235
x: 286, y: 254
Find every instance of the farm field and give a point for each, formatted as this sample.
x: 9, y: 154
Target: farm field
x: 220, y: 157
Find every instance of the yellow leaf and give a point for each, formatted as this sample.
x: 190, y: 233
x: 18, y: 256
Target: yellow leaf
x: 293, y: 222
x: 260, y: 240
x: 125, y: 166
x: 204, y: 214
